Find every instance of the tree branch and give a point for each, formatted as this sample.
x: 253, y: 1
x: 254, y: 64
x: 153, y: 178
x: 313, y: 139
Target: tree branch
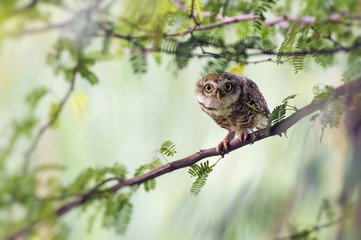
x: 303, y: 234
x: 348, y: 90
x: 52, y: 120
x: 278, y: 20
x: 191, y: 15
x: 53, y: 26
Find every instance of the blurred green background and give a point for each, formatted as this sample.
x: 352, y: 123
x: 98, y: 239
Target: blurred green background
x: 255, y: 192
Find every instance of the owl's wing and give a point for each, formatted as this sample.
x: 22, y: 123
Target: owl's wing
x: 255, y: 99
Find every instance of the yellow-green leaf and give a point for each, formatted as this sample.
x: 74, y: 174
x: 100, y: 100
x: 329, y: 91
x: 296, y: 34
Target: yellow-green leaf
x: 237, y: 69
x: 53, y: 115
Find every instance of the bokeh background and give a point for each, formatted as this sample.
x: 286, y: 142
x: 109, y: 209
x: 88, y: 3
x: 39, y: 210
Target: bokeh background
x: 256, y: 192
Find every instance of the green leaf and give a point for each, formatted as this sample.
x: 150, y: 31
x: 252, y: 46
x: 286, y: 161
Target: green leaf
x: 166, y: 45
x: 279, y: 113
x: 118, y: 211
x: 49, y: 166
x: 25, y: 126
x: 35, y: 96
x: 303, y: 43
x: 80, y: 184
x: 353, y: 71
x: 290, y: 97
x: 53, y: 115
x: 168, y: 148
x: 287, y: 43
x: 322, y: 93
x: 324, y: 60
x: 150, y: 184
x: 331, y: 114
x: 139, y: 64
x: 89, y: 76
x: 157, y: 58
x: 149, y: 166
x: 262, y: 6
x: 117, y: 170
x: 201, y: 173
x: 215, y: 66
x: 198, y: 184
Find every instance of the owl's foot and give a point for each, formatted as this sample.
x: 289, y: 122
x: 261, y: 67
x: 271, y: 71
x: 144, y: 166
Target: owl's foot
x: 223, y: 147
x: 244, y: 133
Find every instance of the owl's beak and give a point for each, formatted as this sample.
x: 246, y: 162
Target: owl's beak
x: 218, y: 96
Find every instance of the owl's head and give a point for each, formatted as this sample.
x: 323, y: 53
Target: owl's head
x: 219, y: 90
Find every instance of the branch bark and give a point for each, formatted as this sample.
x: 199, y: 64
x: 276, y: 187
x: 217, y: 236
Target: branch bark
x: 347, y: 90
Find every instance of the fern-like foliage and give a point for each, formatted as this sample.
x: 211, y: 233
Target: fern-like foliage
x: 57, y: 60
x: 353, y: 71
x: 33, y: 98
x: 166, y: 45
x: 323, y: 60
x: 303, y: 43
x: 322, y: 92
x: 215, y: 66
x: 279, y: 112
x: 168, y: 148
x: 253, y: 41
x: 150, y: 184
x: 209, y: 40
x: 118, y: 211
x: 331, y: 113
x: 91, y: 176
x: 201, y: 173
x: 139, y: 63
x: 184, y: 53
x: 286, y: 45
x: 268, y: 45
x: 261, y: 8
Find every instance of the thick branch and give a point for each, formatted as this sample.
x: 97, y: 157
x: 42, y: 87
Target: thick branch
x: 279, y: 20
x: 348, y: 89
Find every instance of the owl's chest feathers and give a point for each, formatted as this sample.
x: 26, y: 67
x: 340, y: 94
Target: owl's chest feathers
x: 217, y: 107
x: 231, y: 114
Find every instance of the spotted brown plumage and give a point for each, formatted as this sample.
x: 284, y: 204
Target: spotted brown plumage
x: 235, y: 103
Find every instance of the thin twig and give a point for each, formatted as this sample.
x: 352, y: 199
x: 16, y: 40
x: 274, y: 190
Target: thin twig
x: 55, y: 26
x: 191, y: 15
x: 225, y: 6
x: 349, y: 89
x: 52, y: 120
x: 311, y: 51
x: 304, y: 233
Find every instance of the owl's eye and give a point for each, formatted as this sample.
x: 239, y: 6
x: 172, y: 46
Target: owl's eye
x: 228, y: 87
x: 208, y: 88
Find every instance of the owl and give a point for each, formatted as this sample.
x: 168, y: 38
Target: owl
x: 235, y: 103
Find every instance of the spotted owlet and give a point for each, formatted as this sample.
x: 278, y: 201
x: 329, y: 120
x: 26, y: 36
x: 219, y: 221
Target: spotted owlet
x: 235, y: 103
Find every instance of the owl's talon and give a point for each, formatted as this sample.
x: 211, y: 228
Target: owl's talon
x: 253, y: 137
x: 243, y: 135
x: 223, y: 147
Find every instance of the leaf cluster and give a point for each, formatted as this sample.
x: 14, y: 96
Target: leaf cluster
x: 118, y: 211
x: 91, y: 176
x: 201, y: 173
x: 150, y: 184
x: 279, y: 112
x: 260, y: 10
x: 331, y: 113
